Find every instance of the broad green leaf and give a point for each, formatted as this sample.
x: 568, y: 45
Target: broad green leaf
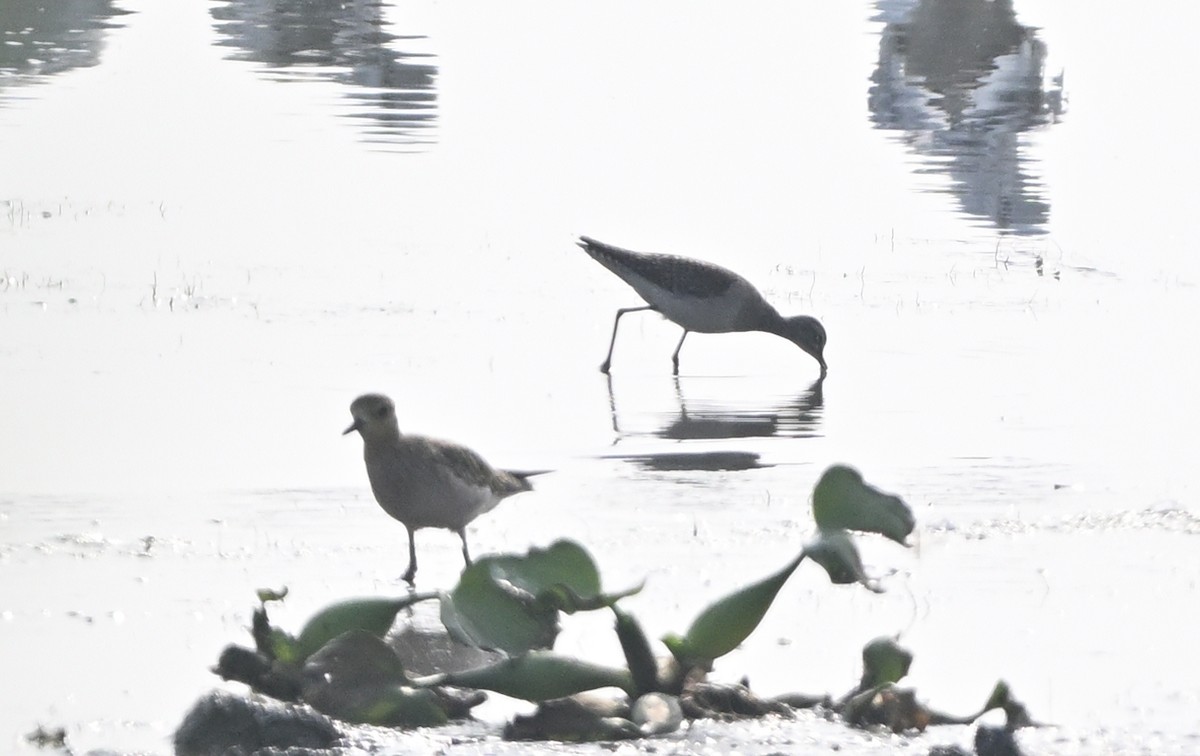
x: 563, y: 574
x: 481, y: 613
x: 835, y: 551
x: 562, y: 563
x: 511, y: 603
x: 724, y: 625
x: 842, y: 500
x: 374, y: 615
x: 884, y: 661
x: 353, y: 659
x: 537, y: 676
x: 356, y: 677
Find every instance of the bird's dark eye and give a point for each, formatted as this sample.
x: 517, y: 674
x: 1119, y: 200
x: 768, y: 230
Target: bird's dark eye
x: 381, y: 412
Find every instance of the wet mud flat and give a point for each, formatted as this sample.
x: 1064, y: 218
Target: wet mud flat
x: 1040, y: 604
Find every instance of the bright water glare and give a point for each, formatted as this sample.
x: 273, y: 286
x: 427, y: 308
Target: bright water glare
x: 222, y: 221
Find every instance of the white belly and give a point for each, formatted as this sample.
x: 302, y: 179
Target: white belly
x: 719, y: 314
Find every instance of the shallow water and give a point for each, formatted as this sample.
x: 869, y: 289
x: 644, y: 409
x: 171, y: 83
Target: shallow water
x: 213, y: 237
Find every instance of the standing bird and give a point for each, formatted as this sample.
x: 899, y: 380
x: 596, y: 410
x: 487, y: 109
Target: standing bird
x: 700, y: 296
x: 424, y: 482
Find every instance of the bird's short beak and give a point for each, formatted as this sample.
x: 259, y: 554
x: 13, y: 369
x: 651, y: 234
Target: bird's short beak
x: 353, y: 427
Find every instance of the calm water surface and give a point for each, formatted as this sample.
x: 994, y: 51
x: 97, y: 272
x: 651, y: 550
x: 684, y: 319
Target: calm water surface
x: 219, y: 223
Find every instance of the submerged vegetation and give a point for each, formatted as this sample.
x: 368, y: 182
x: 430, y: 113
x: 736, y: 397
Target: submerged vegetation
x: 502, y: 619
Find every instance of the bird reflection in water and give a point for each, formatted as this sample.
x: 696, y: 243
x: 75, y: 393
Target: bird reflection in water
x: 40, y: 39
x: 962, y: 80
x: 797, y: 418
x: 345, y: 41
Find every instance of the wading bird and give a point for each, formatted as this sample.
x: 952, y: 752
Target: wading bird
x: 425, y: 482
x: 702, y: 297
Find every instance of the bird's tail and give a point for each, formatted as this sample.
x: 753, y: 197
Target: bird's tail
x: 597, y: 249
x: 524, y: 475
x: 617, y: 259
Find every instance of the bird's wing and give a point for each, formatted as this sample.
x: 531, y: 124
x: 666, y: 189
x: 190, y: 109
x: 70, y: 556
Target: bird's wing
x: 681, y: 275
x: 470, y: 468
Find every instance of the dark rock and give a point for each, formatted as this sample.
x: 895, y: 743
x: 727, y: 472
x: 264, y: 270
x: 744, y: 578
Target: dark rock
x: 263, y: 675
x: 995, y: 741
x: 44, y: 737
x: 458, y: 702
x: 804, y: 700
x: 705, y: 700
x: 222, y: 724
x: 656, y: 713
x: 575, y: 719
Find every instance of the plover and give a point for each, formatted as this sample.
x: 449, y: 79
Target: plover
x: 425, y: 482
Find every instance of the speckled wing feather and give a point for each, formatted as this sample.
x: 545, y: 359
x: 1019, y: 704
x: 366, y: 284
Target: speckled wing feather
x: 681, y: 275
x: 472, y: 468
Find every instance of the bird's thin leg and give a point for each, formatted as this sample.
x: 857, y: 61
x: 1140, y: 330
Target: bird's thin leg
x: 462, y: 533
x: 679, y: 395
x: 612, y: 409
x: 612, y: 342
x: 675, y: 356
x: 411, y: 572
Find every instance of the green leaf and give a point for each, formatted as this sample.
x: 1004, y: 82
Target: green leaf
x: 563, y: 574
x: 353, y: 659
x: 567, y: 600
x: 537, y: 676
x: 562, y: 563
x: 842, y: 500
x: 284, y: 647
x: 396, y: 706
x: 272, y: 642
x: 835, y: 551
x: 638, y: 656
x: 511, y: 603
x: 481, y: 613
x: 884, y: 661
x: 1000, y: 698
x: 724, y: 625
x: 356, y: 677
x: 374, y: 615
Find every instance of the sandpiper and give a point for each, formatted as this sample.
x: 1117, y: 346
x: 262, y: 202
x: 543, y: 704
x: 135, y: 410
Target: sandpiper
x: 700, y: 296
x: 425, y: 482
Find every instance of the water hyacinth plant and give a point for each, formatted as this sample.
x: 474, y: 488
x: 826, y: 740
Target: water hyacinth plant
x: 511, y: 606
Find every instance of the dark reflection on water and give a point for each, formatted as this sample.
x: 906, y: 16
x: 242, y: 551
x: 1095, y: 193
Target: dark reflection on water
x: 797, y: 418
x: 44, y: 37
x: 342, y: 41
x: 963, y: 79
x: 718, y: 461
x: 800, y: 417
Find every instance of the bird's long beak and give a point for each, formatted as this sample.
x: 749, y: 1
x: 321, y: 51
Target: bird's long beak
x: 356, y: 425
